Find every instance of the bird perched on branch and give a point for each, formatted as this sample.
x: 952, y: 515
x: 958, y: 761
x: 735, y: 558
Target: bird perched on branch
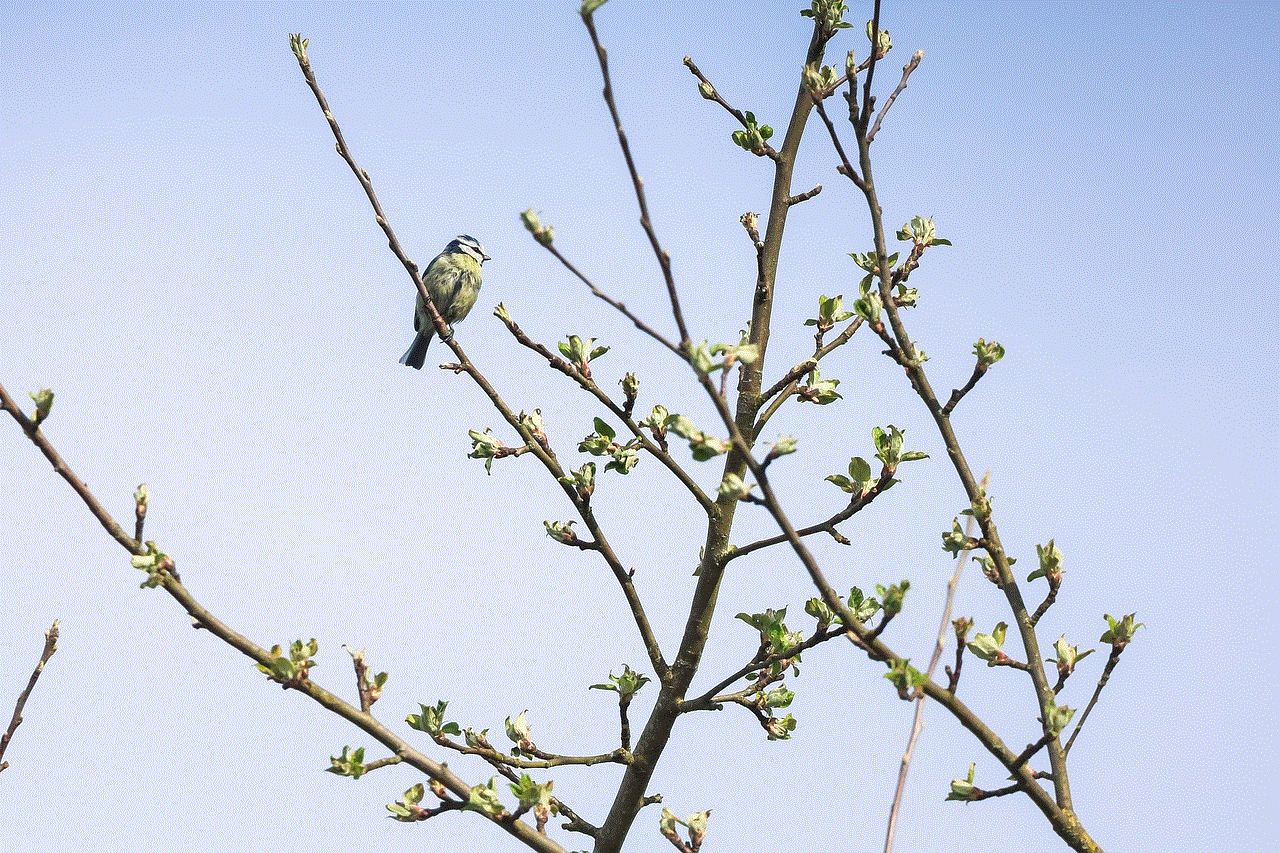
x: 453, y: 280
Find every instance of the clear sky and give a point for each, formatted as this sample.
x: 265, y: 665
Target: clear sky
x: 197, y: 275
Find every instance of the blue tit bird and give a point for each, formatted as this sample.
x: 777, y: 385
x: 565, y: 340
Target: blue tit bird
x: 453, y: 280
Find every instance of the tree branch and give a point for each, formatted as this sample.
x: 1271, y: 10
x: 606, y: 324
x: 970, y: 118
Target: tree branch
x: 917, y: 723
x: 906, y: 72
x: 710, y: 698
x: 827, y: 526
x: 50, y: 646
x: 1059, y: 809
x: 202, y: 618
x: 785, y: 386
x: 630, y: 797
x: 596, y: 391
x: 1112, y: 660
x: 541, y: 761
x: 32, y: 431
x: 664, y: 260
x: 620, y: 307
x: 537, y: 445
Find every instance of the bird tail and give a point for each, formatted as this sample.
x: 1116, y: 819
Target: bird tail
x: 416, y: 354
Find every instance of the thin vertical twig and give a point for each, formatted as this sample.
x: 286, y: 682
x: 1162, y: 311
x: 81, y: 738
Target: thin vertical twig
x: 917, y: 724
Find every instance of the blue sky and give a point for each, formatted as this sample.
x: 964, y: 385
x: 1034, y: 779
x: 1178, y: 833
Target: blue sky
x: 197, y: 275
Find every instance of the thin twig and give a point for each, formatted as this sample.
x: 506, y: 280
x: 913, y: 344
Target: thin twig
x: 868, y: 100
x: 845, y: 168
x: 710, y: 92
x: 50, y: 646
x: 541, y: 761
x: 917, y: 724
x: 711, y: 697
x: 795, y: 373
x: 804, y: 196
x: 664, y: 260
x: 616, y: 304
x: 828, y: 526
x: 32, y: 430
x: 957, y: 394
x: 977, y: 794
x: 906, y: 72
x: 1033, y: 748
x: 1057, y: 808
x: 1112, y: 660
x: 624, y: 722
x: 204, y: 619
x: 393, y: 243
x: 1055, y: 582
x: 590, y: 386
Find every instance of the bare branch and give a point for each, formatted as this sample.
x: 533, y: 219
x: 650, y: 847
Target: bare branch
x: 804, y: 196
x: 202, y: 618
x: 631, y: 794
x: 783, y: 387
x: 1057, y: 809
x: 664, y: 260
x: 845, y: 168
x: 710, y: 92
x: 958, y: 394
x: 538, y: 447
x: 540, y: 761
x: 906, y: 72
x: 32, y: 430
x: 1112, y: 660
x: 50, y: 646
x: 827, y: 526
x: 617, y: 305
x: 917, y: 724
x: 1062, y: 819
x: 442, y: 328
x: 712, y: 697
x: 1055, y: 582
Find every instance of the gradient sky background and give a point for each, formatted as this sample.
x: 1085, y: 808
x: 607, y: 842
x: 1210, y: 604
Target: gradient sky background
x: 197, y: 275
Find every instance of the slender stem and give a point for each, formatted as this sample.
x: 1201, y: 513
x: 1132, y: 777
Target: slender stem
x: 910, y: 361
x: 620, y: 307
x: 1112, y: 660
x: 957, y: 394
x: 780, y: 390
x: 917, y: 723
x: 904, y: 351
x: 596, y: 391
x: 710, y: 697
x: 50, y: 646
x: 906, y: 72
x: 1064, y: 822
x: 583, y: 507
x: 537, y: 446
x: 828, y: 526
x: 542, y: 761
x: 33, y: 432
x: 664, y: 260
